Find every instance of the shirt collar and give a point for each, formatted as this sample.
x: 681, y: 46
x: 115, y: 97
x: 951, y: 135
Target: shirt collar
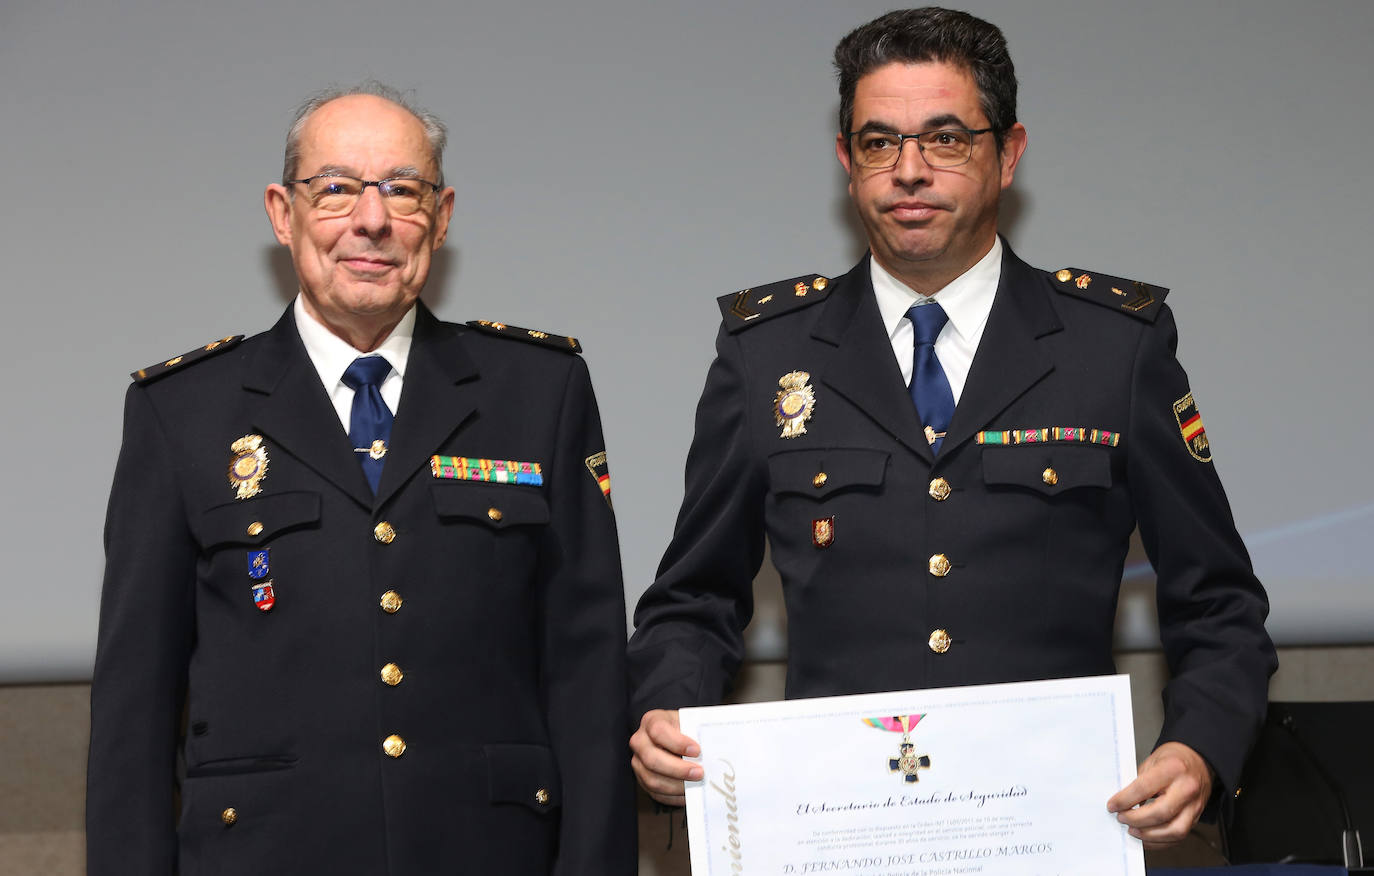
x: 967, y: 300
x: 332, y: 355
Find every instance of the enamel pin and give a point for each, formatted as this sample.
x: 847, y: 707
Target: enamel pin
x: 263, y: 597
x: 258, y: 564
x: 248, y: 466
x: 907, y: 762
x: 794, y: 404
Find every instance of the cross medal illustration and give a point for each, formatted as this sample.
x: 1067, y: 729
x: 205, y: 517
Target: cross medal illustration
x: 907, y: 762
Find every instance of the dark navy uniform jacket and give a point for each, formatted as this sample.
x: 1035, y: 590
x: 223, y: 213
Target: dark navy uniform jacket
x: 1006, y: 557
x: 503, y: 614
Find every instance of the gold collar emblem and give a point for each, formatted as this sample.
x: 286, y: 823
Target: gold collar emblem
x: 248, y: 467
x: 794, y: 404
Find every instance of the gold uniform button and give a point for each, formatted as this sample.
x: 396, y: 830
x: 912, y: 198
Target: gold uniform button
x: 1049, y: 476
x: 392, y: 674
x: 229, y: 816
x: 541, y: 797
x: 939, y: 489
x: 1064, y: 276
x: 255, y: 528
x: 394, y: 746
x: 391, y: 602
x: 939, y: 641
x: 939, y: 565
x: 819, y: 480
x: 384, y: 532
x: 820, y: 283
x: 494, y: 514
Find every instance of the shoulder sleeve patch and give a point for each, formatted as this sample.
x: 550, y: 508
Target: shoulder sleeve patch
x: 177, y: 363
x: 1138, y: 299
x: 529, y: 336
x: 754, y: 305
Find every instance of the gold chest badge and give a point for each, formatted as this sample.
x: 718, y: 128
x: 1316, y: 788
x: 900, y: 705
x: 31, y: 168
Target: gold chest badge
x: 794, y: 403
x: 248, y: 466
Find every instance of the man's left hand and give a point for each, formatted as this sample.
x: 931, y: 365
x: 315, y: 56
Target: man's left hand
x: 1168, y: 794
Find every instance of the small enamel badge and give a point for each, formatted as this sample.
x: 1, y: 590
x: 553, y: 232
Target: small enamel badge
x: 263, y: 597
x: 907, y: 762
x: 794, y: 404
x: 248, y: 466
x: 1190, y: 426
x: 597, y: 465
x: 258, y: 565
x: 823, y: 532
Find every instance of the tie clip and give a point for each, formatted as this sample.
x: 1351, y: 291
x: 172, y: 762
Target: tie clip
x: 376, y: 451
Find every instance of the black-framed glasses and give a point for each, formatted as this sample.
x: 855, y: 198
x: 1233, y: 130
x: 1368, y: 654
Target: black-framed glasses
x: 334, y: 194
x: 947, y: 147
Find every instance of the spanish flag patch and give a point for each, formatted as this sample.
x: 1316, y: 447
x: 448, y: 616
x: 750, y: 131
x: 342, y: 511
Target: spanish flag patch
x: 1190, y: 427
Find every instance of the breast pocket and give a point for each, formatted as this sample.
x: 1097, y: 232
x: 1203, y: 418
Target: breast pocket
x: 821, y: 474
x: 257, y: 521
x: 1047, y: 469
x: 495, y: 507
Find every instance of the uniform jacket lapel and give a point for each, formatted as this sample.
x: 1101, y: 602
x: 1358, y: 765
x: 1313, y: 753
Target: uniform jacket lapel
x: 1011, y: 357
x: 295, y: 412
x: 862, y: 368
x: 438, y: 395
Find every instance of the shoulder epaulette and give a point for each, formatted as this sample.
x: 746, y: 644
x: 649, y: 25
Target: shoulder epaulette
x: 177, y: 363
x: 529, y: 336
x: 1140, y: 300
x: 754, y: 305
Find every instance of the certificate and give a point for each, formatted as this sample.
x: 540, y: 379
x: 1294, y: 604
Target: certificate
x: 988, y: 779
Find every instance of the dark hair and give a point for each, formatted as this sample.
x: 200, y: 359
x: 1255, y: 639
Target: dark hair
x: 435, y: 131
x: 915, y: 36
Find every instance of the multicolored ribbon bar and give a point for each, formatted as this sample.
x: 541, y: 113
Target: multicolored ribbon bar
x: 495, y: 471
x: 1051, y: 434
x: 896, y: 723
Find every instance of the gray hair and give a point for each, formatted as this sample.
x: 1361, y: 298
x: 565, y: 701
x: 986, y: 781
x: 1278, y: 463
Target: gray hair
x: 436, y: 132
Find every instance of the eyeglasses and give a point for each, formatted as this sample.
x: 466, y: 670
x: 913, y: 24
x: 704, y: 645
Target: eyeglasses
x: 947, y: 147
x: 336, y: 195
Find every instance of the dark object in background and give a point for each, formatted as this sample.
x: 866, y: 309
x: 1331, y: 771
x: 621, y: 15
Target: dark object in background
x: 1307, y: 791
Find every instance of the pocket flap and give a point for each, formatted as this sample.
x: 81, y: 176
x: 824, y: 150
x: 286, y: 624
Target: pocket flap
x: 524, y: 774
x: 818, y: 473
x: 497, y: 505
x: 256, y: 520
x: 1047, y: 468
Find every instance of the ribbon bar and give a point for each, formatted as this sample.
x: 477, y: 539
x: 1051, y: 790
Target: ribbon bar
x: 495, y: 471
x: 1051, y: 435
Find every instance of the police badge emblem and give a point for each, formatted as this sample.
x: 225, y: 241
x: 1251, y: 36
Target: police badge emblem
x: 248, y: 466
x: 823, y: 532
x: 907, y: 762
x: 794, y: 403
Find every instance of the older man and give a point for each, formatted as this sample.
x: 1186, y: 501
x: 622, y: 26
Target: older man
x: 948, y: 450
x: 362, y: 579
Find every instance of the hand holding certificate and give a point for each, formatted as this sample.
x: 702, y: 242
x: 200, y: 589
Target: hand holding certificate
x: 991, y: 779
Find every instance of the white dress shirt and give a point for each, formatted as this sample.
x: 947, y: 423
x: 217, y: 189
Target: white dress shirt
x: 967, y: 301
x: 332, y: 355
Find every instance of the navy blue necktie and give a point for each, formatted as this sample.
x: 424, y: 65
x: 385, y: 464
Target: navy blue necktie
x: 369, y: 424
x: 930, y: 390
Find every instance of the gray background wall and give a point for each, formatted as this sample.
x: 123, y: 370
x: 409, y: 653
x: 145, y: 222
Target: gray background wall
x: 618, y: 165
